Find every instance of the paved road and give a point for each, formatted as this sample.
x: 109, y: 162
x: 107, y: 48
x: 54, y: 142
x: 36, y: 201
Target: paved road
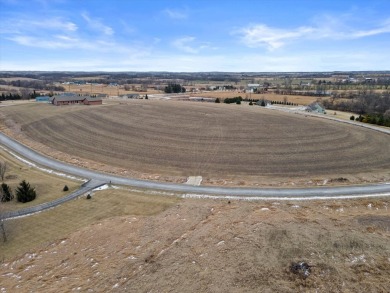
x: 88, y: 186
x: 182, y: 188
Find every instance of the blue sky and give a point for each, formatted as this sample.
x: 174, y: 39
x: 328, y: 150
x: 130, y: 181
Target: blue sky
x: 135, y: 35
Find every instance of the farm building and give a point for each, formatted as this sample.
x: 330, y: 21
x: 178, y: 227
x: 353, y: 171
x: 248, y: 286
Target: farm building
x: 253, y: 87
x: 42, y: 99
x: 67, y: 100
x: 316, y: 107
x: 263, y: 103
x: 75, y: 100
x: 131, y: 96
x: 92, y: 101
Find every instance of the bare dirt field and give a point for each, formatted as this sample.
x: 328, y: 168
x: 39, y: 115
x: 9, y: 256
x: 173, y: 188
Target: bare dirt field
x: 87, y: 89
x: 226, y: 144
x: 300, y: 100
x: 202, y: 246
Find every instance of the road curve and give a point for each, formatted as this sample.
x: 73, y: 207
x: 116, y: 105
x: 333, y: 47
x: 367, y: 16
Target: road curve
x: 182, y: 188
x: 86, y: 187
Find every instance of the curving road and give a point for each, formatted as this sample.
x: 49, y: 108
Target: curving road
x: 374, y: 189
x: 86, y: 187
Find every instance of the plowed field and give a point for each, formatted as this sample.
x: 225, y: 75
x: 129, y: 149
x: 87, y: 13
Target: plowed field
x: 226, y: 144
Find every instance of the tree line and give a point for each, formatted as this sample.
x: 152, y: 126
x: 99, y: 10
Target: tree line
x: 18, y: 96
x: 361, y: 102
x: 174, y: 88
x: 34, y: 84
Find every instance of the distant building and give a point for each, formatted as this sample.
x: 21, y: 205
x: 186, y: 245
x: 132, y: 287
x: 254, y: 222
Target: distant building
x: 253, y: 87
x: 201, y: 99
x: 75, y: 100
x: 263, y: 103
x: 92, y: 101
x: 132, y: 96
x: 42, y: 99
x: 316, y: 108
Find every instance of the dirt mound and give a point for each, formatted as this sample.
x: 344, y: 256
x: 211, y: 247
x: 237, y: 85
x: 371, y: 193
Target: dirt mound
x: 215, y: 246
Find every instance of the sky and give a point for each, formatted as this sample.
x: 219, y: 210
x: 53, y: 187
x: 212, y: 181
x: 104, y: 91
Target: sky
x: 194, y: 36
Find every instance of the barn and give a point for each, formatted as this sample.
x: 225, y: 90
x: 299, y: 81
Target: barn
x: 92, y: 101
x: 75, y: 100
x: 67, y: 100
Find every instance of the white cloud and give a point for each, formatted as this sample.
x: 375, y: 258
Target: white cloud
x: 55, y: 42
x: 20, y: 24
x: 183, y: 44
x: 175, y: 14
x: 261, y: 35
x: 97, y: 25
x: 188, y: 44
x: 272, y: 38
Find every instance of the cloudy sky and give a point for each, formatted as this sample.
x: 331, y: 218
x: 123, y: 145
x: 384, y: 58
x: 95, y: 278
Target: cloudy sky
x: 211, y: 35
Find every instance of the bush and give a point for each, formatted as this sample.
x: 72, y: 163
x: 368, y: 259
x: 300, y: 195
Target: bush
x: 66, y: 188
x: 174, y: 88
x: 352, y: 118
x: 25, y: 193
x: 89, y: 196
x: 250, y: 103
x: 217, y: 100
x: 6, y: 193
x: 236, y: 100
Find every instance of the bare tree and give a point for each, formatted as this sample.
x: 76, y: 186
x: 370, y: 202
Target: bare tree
x: 3, y: 169
x: 2, y: 228
x: 25, y: 93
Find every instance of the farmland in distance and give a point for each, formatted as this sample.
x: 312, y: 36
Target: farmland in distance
x: 226, y: 144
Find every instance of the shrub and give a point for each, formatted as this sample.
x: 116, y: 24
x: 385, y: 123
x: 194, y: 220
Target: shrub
x: 5, y: 193
x: 217, y: 100
x: 89, y: 196
x: 250, y: 103
x: 66, y: 188
x: 25, y: 193
x: 352, y: 118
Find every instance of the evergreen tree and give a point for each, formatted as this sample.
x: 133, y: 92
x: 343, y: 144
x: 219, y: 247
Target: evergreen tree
x: 5, y: 193
x: 25, y: 193
x: 217, y: 100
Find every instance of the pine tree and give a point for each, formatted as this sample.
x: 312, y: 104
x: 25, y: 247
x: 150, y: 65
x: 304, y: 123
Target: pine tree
x: 25, y: 193
x: 6, y: 193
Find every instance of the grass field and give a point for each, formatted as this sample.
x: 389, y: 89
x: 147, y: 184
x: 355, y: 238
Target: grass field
x: 29, y: 233
x: 160, y: 243
x: 226, y: 144
x: 47, y: 186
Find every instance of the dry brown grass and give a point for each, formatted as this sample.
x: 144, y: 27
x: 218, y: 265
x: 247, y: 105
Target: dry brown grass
x: 87, y: 89
x: 300, y: 100
x: 47, y: 186
x: 207, y: 246
x: 27, y: 233
x: 226, y: 144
